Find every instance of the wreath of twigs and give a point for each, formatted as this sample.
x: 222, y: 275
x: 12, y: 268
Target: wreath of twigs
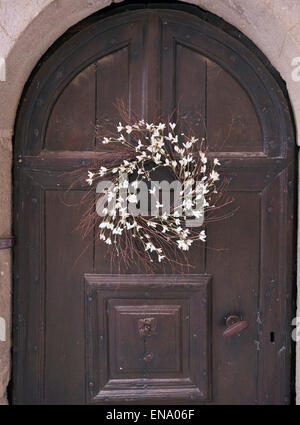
x: 151, y: 241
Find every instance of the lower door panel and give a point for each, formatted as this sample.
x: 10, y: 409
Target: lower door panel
x: 147, y: 338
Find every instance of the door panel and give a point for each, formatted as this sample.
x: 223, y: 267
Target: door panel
x: 232, y: 122
x: 71, y: 124
x: 190, y: 79
x: 233, y: 257
x: 153, y: 332
x: 80, y: 327
x: 64, y: 310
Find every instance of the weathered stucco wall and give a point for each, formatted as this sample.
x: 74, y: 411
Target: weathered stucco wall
x: 28, y: 28
x: 5, y: 269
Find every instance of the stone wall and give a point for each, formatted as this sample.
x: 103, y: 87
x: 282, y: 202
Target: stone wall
x: 28, y: 28
x: 5, y: 269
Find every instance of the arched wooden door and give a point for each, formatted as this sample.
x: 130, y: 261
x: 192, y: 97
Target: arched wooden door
x: 76, y: 337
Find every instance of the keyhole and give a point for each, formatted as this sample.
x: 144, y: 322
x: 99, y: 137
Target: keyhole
x: 272, y: 337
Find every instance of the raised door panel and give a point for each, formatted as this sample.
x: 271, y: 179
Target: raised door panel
x: 203, y: 72
x: 190, y: 90
x: 232, y: 122
x: 91, y: 77
x: 72, y: 122
x: 153, y: 335
x: 114, y: 84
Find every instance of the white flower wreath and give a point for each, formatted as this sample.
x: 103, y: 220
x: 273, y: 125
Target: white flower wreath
x: 148, y: 147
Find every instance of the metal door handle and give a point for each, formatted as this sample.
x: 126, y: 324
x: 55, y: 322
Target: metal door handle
x: 234, y: 326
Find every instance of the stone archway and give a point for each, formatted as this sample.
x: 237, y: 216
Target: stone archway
x: 270, y: 25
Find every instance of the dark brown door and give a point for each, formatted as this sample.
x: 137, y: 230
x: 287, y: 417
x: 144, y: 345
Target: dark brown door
x: 85, y: 335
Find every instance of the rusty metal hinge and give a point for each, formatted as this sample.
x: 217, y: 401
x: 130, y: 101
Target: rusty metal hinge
x: 6, y: 243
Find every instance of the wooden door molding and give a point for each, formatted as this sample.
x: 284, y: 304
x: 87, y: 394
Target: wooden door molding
x: 178, y: 58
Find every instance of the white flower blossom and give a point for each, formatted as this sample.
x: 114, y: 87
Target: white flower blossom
x: 117, y: 231
x: 139, y: 146
x: 161, y: 126
x: 188, y: 145
x: 150, y: 246
x: 122, y: 139
x: 188, y: 203
x: 157, y: 158
x: 203, y: 157
x: 132, y: 198
x: 184, y: 244
x: 103, y: 225
x: 197, y: 213
x: 130, y: 226
x: 214, y: 175
x: 124, y: 184
x: 180, y: 151
x: 202, y: 236
x: 102, y: 171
